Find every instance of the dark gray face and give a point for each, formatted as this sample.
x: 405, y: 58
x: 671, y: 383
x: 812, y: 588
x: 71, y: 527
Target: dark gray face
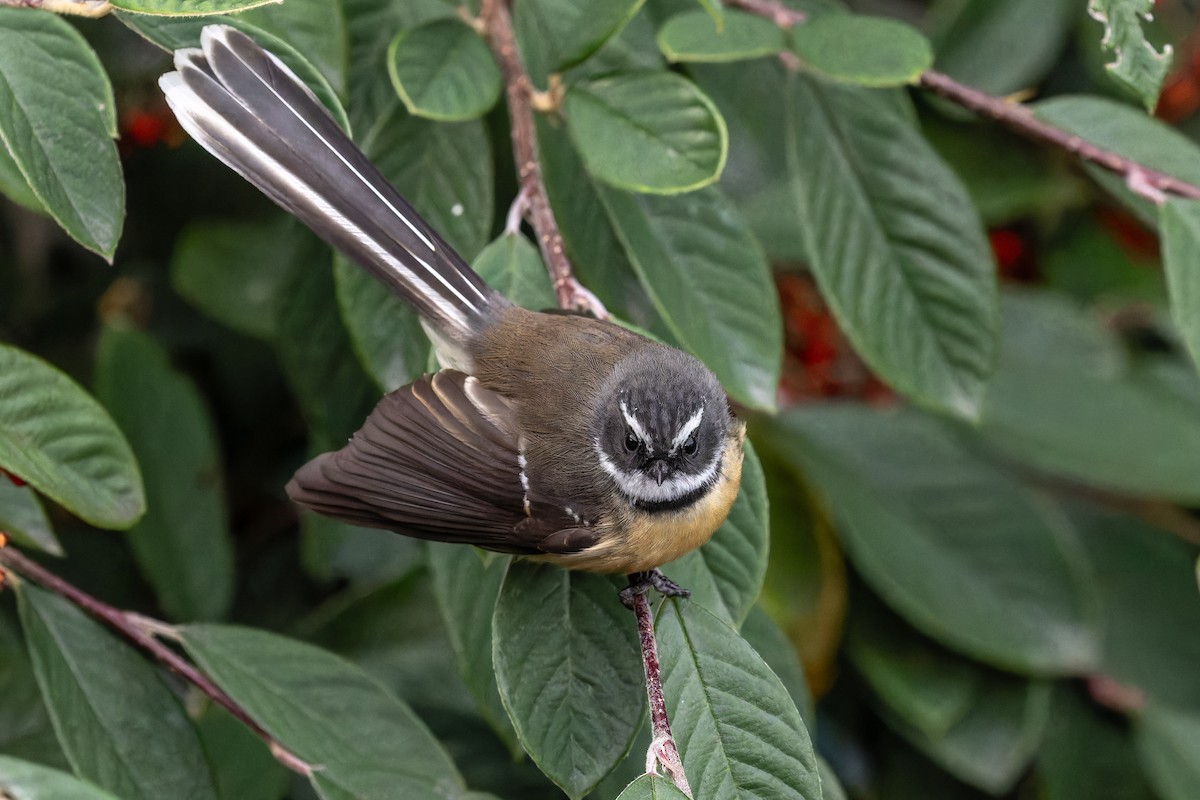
x: 661, y: 429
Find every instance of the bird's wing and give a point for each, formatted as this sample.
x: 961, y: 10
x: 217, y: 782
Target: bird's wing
x: 441, y: 459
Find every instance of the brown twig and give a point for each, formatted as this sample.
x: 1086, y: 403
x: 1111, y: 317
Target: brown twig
x: 135, y: 629
x: 78, y: 8
x: 521, y: 96
x: 1142, y: 180
x: 662, y: 746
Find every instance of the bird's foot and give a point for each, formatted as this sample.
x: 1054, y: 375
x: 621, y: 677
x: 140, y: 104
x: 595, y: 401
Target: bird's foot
x: 641, y: 582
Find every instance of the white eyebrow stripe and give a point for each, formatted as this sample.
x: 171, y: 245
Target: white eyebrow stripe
x: 633, y: 423
x: 688, y: 429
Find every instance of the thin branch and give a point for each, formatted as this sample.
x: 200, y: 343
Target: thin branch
x: 662, y: 746
x: 78, y: 8
x: 1148, y: 183
x: 497, y: 25
x: 134, y: 628
x: 1142, y: 180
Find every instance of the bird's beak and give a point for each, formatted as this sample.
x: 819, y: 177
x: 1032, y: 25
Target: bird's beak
x: 659, y: 470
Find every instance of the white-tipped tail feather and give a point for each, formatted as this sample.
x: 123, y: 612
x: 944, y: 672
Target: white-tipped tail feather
x: 246, y: 107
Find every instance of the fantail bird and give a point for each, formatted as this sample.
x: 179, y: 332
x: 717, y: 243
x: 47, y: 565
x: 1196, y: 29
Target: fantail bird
x: 549, y: 435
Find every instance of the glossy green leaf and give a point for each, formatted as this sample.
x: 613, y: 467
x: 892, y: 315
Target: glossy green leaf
x: 698, y: 36
x: 868, y: 51
x: 21, y: 780
x: 187, y: 8
x: 652, y: 787
x: 59, y: 440
x: 513, y: 266
x: 444, y: 71
x: 318, y: 30
x: 326, y: 711
x: 467, y: 584
x: 961, y: 549
x: 175, y: 33
x: 566, y: 659
x: 445, y: 172
x: 118, y: 723
x: 60, y: 132
x: 726, y: 574
x: 895, y: 245
x: 1136, y: 64
x: 739, y: 733
x: 652, y: 132
x: 314, y: 349
x: 1150, y: 609
x: 928, y: 687
x: 1062, y: 378
x: 992, y: 744
x: 183, y: 543
x: 235, y: 272
x: 23, y: 518
x: 709, y: 283
x: 772, y: 644
x: 25, y: 728
x: 1004, y: 47
x: 242, y: 764
x: 1128, y: 132
x: 1180, y: 226
x: 1168, y: 742
x: 1088, y: 751
x: 556, y: 34
x: 13, y: 184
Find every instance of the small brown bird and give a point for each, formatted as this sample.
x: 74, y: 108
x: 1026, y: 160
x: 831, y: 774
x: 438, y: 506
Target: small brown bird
x: 549, y: 435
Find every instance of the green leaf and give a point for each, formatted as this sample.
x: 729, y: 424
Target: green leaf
x: 25, y: 728
x: 709, y: 283
x: 512, y: 266
x: 1127, y: 132
x: 1088, y: 751
x: 868, y: 51
x: 772, y: 644
x: 1136, y: 64
x: 699, y: 36
x: 118, y: 723
x: 173, y: 33
x: 187, y: 8
x: 652, y: 787
x: 445, y: 172
x: 651, y: 132
x: 326, y: 711
x: 1062, y: 378
x: 316, y: 29
x: 556, y: 34
x: 991, y: 746
x: 726, y: 574
x: 182, y: 544
x: 23, y: 518
x: 961, y: 549
x: 930, y: 688
x: 739, y: 733
x: 235, y: 272
x: 1001, y: 48
x: 331, y: 550
x: 1168, y: 742
x: 467, y: 583
x: 13, y: 184
x: 60, y: 132
x: 444, y: 71
x: 242, y: 764
x: 21, y: 780
x: 59, y: 440
x: 1150, y: 609
x: 1180, y: 226
x: 565, y: 656
x: 895, y: 245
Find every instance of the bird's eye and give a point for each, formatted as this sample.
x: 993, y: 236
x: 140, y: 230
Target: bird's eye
x: 689, y: 446
x: 632, y: 442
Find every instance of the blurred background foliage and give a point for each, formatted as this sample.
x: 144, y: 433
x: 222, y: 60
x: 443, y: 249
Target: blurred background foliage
x: 994, y: 596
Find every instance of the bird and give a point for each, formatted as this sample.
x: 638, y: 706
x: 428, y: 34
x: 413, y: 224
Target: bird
x: 558, y: 437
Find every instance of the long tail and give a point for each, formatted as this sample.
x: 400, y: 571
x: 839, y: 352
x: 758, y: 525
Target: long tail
x: 244, y: 106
